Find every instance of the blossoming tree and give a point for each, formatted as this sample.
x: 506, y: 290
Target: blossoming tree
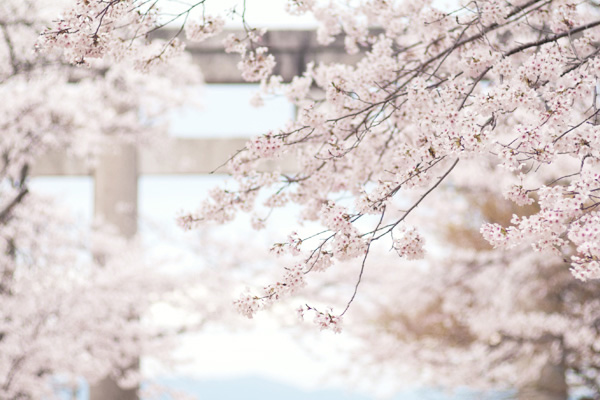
x: 71, y: 297
x: 496, y: 95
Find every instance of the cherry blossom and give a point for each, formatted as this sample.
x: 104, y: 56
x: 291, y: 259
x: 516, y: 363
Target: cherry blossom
x: 409, y: 244
x: 208, y: 27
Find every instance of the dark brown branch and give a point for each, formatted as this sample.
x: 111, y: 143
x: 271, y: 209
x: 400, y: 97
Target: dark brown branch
x: 362, y: 267
x: 552, y: 38
x: 9, y: 207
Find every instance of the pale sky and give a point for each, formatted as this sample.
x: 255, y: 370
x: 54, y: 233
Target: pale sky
x: 215, y: 119
x: 271, y: 14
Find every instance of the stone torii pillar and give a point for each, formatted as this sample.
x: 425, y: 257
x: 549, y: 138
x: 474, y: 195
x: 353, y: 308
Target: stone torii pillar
x: 115, y: 203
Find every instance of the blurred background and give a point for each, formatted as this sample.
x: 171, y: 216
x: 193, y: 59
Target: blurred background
x: 142, y: 187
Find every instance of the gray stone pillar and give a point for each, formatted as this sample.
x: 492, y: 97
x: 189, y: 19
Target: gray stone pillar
x: 115, y: 189
x: 115, y: 203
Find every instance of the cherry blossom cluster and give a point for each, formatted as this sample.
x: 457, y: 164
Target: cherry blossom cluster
x: 96, y: 29
x: 292, y: 281
x: 234, y: 44
x: 256, y: 64
x: 121, y: 30
x: 197, y: 31
x: 327, y: 321
x: 586, y: 236
x: 299, y: 87
x: 347, y: 242
x: 266, y: 146
x: 324, y: 320
x: 565, y: 212
x: 292, y: 246
x: 409, y: 244
x: 519, y: 195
